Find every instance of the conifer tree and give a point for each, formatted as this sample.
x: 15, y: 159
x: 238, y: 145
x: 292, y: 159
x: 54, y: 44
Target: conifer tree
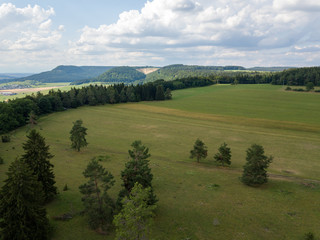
x: 159, y: 93
x: 199, y: 150
x: 254, y: 171
x: 223, y: 157
x: 168, y: 94
x: 135, y: 218
x: 98, y: 205
x: 21, y: 213
x: 37, y: 158
x: 137, y: 170
x: 78, y: 135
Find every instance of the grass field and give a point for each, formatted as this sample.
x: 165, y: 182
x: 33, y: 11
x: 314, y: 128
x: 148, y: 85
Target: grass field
x: 197, y: 201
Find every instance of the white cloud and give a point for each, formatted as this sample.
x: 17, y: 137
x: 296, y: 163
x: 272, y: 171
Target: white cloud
x: 27, y: 29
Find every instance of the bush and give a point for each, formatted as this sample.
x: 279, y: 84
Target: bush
x: 288, y: 88
x: 298, y: 89
x: 309, y: 236
x: 5, y: 138
x: 1, y: 160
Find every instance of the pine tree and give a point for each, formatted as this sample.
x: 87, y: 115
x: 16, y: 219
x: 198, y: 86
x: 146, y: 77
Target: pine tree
x: 159, y: 93
x: 98, y: 205
x: 21, y: 213
x: 37, y: 157
x: 224, y: 155
x: 137, y: 170
x: 168, y: 94
x: 254, y: 171
x: 199, y: 150
x: 78, y: 135
x: 135, y: 218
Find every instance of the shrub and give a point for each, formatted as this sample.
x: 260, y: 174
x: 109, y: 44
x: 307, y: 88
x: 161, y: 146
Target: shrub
x: 1, y: 160
x: 288, y: 88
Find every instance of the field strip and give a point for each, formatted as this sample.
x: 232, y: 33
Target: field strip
x: 19, y: 90
x: 241, y: 121
x: 203, y: 124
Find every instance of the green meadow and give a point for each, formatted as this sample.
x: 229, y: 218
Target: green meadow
x: 196, y: 200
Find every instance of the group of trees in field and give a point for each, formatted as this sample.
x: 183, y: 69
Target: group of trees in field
x: 255, y: 169
x: 132, y: 212
x: 29, y: 185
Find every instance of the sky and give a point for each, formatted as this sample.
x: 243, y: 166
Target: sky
x: 38, y: 35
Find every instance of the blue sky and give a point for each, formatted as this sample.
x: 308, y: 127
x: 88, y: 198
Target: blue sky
x: 38, y: 35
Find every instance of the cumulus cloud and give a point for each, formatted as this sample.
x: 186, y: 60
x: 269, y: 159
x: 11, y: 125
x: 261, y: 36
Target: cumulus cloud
x: 239, y: 25
x: 27, y: 29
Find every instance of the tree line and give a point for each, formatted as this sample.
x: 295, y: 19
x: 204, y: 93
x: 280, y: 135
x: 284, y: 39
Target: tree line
x: 18, y: 112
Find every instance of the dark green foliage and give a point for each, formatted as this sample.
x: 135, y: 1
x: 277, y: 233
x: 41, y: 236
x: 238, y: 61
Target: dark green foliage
x: 135, y: 218
x: 78, y: 135
x: 5, y: 138
x: 297, y: 76
x: 120, y: 74
x: 21, y: 213
x: 168, y: 94
x: 98, y: 205
x: 288, y: 88
x: 223, y: 157
x: 199, y: 150
x: 159, y: 93
x: 1, y: 160
x: 137, y: 170
x: 309, y: 236
x: 309, y: 86
x: 254, y: 171
x: 37, y: 158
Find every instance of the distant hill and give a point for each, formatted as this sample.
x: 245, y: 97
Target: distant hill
x: 9, y: 77
x: 177, y: 71
x: 67, y: 74
x: 118, y: 75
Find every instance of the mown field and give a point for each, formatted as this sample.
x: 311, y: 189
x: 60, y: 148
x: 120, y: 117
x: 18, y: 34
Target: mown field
x: 197, y: 201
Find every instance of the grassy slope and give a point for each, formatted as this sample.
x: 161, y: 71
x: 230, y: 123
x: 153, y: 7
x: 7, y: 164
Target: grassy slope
x: 189, y: 203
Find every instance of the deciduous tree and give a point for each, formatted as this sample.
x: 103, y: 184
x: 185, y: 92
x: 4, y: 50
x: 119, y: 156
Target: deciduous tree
x: 134, y: 220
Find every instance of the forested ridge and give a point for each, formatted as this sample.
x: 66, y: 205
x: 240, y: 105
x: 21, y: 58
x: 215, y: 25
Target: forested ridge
x: 21, y: 111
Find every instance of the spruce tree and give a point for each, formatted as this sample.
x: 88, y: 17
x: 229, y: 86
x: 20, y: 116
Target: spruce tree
x: 224, y: 155
x: 21, y: 213
x: 37, y: 157
x: 78, y: 135
x: 134, y: 220
x: 98, y: 205
x: 199, y: 150
x: 254, y: 171
x: 137, y: 170
x: 159, y: 93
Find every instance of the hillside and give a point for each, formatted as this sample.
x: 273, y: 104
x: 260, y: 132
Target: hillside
x: 121, y: 74
x: 67, y: 74
x: 176, y: 71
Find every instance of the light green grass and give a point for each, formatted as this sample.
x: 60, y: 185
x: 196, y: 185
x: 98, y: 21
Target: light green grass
x: 189, y: 201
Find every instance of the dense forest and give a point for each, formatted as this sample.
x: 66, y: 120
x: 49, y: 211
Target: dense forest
x: 21, y: 111
x: 118, y: 75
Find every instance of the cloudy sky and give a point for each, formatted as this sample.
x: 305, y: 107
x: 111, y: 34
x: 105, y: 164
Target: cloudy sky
x: 38, y: 35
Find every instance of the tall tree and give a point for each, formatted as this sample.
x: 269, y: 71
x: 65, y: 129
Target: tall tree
x: 199, y: 150
x: 223, y: 157
x: 21, y: 213
x: 37, y: 157
x: 160, y: 93
x: 254, y: 171
x: 78, y: 135
x: 137, y: 170
x: 98, y: 205
x: 135, y: 218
